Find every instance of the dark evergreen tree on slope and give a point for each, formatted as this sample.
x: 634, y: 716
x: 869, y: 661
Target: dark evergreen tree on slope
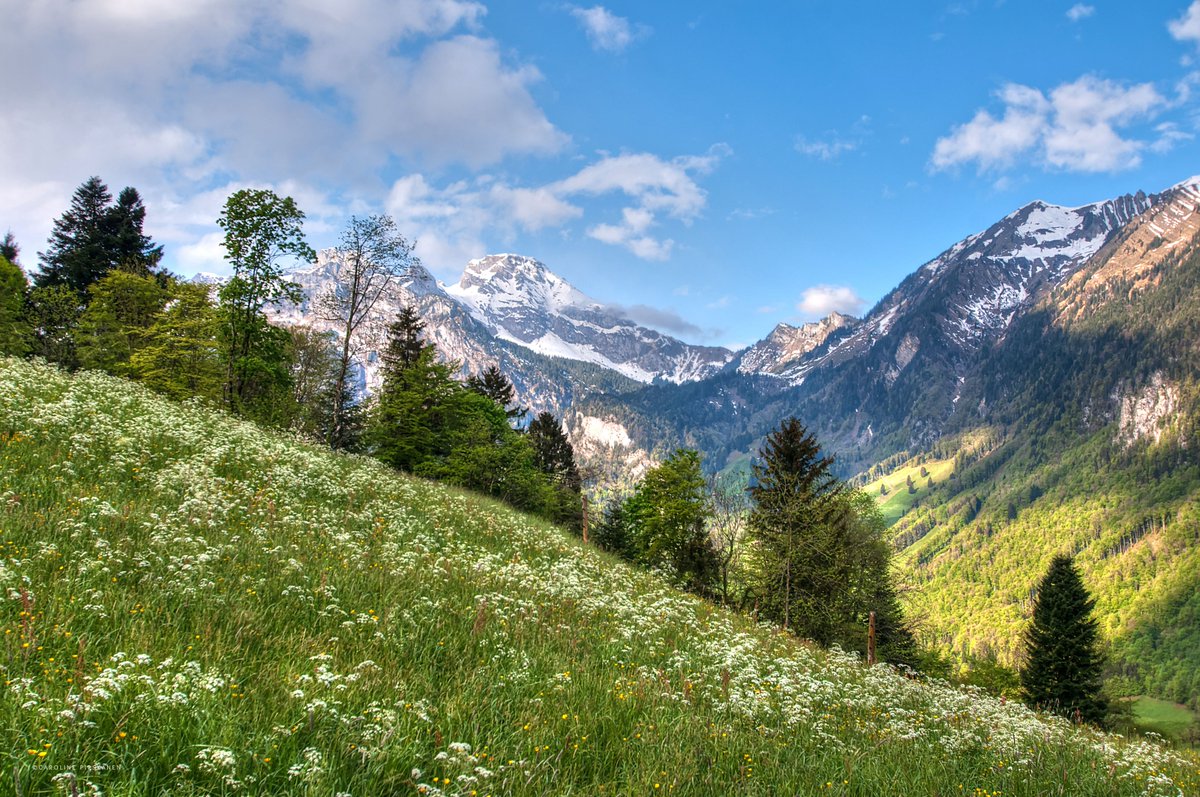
x: 1063, y: 661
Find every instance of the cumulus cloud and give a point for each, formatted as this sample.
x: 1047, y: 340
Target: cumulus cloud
x: 181, y: 97
x: 1075, y: 128
x: 1187, y: 27
x: 452, y: 222
x: 607, y: 31
x: 821, y: 300
x: 1080, y: 11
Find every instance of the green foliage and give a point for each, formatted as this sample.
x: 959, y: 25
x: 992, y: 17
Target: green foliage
x: 16, y: 333
x: 262, y: 230
x: 121, y: 309
x: 180, y: 357
x: 669, y: 514
x: 9, y: 249
x: 818, y: 561
x: 251, y: 609
x: 53, y: 313
x: 496, y: 386
x: 554, y: 456
x: 1062, y: 658
x: 95, y: 236
x: 315, y: 361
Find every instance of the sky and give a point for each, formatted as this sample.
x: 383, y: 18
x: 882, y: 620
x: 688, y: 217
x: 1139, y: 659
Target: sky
x: 709, y: 168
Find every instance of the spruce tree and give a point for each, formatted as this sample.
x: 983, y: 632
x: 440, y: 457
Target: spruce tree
x: 793, y: 490
x: 95, y: 236
x: 1062, y: 671
x: 495, y: 385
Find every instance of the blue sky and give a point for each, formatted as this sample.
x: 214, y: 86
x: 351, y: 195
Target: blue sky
x: 712, y: 168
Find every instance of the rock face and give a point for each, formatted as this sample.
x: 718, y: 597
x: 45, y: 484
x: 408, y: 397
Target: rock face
x: 893, y: 380
x: 553, y: 342
x: 519, y: 300
x: 787, y: 344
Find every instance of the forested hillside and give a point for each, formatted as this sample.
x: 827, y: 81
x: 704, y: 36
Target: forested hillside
x: 1091, y: 423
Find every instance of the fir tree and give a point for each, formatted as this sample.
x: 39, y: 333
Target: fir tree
x: 9, y: 250
x: 794, y: 490
x: 95, y: 236
x: 495, y: 385
x: 1063, y: 663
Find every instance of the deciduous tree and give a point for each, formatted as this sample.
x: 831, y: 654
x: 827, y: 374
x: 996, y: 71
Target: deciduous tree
x: 370, y: 257
x: 262, y: 232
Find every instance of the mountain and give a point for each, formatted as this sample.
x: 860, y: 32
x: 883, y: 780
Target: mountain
x: 1077, y: 432
x: 1040, y: 384
x: 892, y: 381
x: 519, y: 300
x: 555, y: 344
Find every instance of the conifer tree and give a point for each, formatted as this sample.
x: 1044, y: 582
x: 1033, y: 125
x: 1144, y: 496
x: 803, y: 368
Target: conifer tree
x: 95, y: 236
x: 1062, y: 671
x: 496, y: 386
x: 9, y: 249
x: 794, y: 491
x: 553, y: 453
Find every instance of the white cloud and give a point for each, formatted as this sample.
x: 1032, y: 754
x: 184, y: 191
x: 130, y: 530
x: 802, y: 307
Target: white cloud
x: 451, y: 223
x: 1187, y: 27
x: 1075, y: 128
x: 1080, y: 11
x: 824, y: 150
x: 181, y: 99
x: 821, y: 300
x: 605, y: 30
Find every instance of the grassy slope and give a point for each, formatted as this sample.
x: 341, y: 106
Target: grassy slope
x: 898, y: 500
x: 193, y: 606
x: 1162, y: 717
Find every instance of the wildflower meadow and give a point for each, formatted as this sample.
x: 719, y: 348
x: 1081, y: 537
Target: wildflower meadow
x: 194, y: 606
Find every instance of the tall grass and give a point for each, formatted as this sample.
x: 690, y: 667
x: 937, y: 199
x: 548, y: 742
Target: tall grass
x: 193, y: 606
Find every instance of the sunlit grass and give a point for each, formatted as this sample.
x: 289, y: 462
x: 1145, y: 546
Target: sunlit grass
x: 193, y: 606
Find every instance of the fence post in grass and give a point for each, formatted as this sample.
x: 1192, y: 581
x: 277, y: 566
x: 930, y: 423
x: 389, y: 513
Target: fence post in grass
x: 871, y: 640
x: 585, y: 518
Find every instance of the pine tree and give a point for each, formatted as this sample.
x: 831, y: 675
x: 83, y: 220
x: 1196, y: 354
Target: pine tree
x: 793, y: 489
x: 495, y: 385
x: 95, y: 236
x: 9, y: 249
x: 1063, y: 664
x: 132, y: 249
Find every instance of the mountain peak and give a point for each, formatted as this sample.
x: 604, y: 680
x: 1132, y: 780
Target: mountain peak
x: 502, y: 267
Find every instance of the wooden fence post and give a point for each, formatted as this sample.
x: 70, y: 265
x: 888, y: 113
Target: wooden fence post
x: 871, y: 640
x: 585, y: 518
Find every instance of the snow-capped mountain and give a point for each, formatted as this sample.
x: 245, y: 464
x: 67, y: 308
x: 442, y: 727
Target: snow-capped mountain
x: 786, y: 344
x: 917, y: 363
x: 967, y: 296
x: 518, y: 299
x: 552, y: 342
